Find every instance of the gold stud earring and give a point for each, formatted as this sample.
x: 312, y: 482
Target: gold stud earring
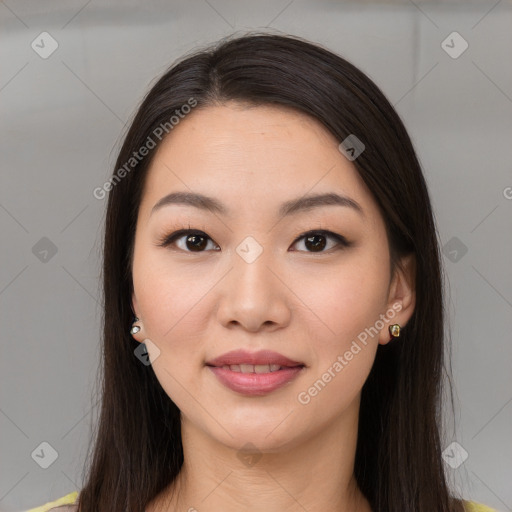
x: 394, y: 330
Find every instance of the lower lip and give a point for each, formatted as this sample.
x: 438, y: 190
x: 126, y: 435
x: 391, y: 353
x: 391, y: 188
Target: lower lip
x: 255, y: 384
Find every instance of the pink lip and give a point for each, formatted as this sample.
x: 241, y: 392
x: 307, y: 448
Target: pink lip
x: 254, y: 384
x: 245, y: 357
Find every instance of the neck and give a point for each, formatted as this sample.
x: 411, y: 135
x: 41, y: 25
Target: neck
x: 316, y: 474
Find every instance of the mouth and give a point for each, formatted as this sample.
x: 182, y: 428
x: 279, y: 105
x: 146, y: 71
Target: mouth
x: 254, y: 374
x: 263, y: 361
x: 256, y: 368
x: 253, y: 383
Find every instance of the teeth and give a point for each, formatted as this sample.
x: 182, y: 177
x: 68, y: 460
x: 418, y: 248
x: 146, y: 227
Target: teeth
x: 251, y: 368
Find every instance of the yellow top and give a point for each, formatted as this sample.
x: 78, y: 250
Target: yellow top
x: 473, y: 506
x: 69, y: 499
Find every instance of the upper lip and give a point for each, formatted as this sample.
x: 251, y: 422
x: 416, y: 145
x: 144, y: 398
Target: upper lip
x: 254, y: 358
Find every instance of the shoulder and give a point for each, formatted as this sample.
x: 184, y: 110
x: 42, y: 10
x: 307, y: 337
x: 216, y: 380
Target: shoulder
x: 68, y: 503
x: 473, y: 506
x: 64, y: 504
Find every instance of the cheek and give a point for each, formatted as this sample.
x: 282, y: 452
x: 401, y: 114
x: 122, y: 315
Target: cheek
x: 171, y: 301
x: 158, y: 287
x: 345, y: 300
x: 345, y: 344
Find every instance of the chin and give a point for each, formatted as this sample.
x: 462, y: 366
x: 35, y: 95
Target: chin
x: 265, y: 435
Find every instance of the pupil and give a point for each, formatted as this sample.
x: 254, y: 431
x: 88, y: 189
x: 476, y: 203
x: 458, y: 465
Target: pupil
x: 314, y: 241
x: 197, y: 241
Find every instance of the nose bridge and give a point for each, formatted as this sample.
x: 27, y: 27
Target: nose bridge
x: 253, y: 279
x: 253, y: 295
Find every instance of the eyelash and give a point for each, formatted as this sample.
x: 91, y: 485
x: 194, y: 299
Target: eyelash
x: 342, y: 242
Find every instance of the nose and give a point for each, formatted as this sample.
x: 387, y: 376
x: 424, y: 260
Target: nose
x: 254, y: 296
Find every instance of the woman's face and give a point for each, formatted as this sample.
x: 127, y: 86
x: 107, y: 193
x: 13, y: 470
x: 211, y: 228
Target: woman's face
x: 250, y: 280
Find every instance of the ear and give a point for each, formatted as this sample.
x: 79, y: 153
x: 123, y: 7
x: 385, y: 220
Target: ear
x: 139, y: 336
x: 402, y: 296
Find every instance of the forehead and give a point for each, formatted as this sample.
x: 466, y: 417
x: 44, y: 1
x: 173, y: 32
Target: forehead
x: 251, y: 157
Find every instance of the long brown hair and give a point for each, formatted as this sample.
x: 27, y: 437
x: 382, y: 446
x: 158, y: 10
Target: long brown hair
x: 137, y: 446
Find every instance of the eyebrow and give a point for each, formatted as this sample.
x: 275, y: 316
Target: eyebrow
x: 291, y: 207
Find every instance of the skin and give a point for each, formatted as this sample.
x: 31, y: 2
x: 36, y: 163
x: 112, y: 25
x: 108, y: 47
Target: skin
x: 308, y: 305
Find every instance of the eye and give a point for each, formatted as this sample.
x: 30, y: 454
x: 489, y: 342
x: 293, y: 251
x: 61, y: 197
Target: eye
x: 193, y: 240
x: 315, y: 241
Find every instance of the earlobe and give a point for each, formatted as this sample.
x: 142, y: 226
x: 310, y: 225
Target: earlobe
x: 137, y: 330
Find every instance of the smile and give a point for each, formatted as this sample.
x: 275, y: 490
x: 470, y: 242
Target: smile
x: 253, y: 368
x: 255, y: 380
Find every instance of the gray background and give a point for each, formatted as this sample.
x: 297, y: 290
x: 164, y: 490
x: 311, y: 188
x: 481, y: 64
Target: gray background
x: 62, y: 118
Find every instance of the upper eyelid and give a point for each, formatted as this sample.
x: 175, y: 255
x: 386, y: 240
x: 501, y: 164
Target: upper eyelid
x: 167, y: 239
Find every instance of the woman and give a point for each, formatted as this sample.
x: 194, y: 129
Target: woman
x: 273, y: 324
